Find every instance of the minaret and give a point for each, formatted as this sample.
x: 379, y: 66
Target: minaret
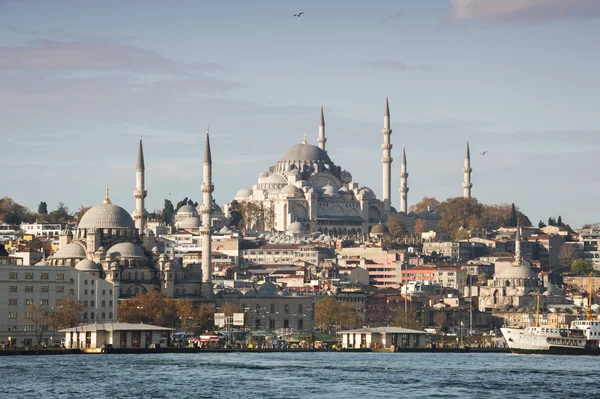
x: 403, y: 183
x: 139, y: 215
x: 518, y: 245
x: 205, y: 230
x: 386, y: 160
x: 467, y: 174
x: 322, y: 139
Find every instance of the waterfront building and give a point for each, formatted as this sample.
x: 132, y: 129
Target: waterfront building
x: 118, y: 335
x: 25, y: 291
x: 383, y: 338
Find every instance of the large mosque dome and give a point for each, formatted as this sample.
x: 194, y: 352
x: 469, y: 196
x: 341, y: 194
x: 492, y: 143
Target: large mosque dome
x: 517, y: 271
x: 106, y: 216
x: 304, y: 153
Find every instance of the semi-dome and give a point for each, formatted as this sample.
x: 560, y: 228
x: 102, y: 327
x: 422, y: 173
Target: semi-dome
x: 106, y: 216
x: 346, y: 176
x: 73, y: 250
x: 186, y: 209
x: 190, y: 223
x: 263, y: 174
x: 126, y: 250
x: 329, y: 190
x: 304, y: 153
x: 517, y: 271
x: 275, y: 178
x: 244, y: 193
x: 380, y: 228
x: 87, y: 265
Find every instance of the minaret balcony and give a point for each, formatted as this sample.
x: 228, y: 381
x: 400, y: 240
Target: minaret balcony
x: 467, y: 170
x: 404, y: 190
x: 404, y: 175
x: 140, y: 193
x: 387, y: 160
x: 208, y: 188
x: 386, y: 146
x: 467, y: 185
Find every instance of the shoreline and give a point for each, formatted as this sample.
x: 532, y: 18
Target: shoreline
x: 142, y: 351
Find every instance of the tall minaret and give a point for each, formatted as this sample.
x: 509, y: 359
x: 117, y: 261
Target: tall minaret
x: 322, y: 139
x: 467, y: 174
x: 518, y: 245
x: 403, y: 183
x: 139, y: 215
x: 386, y: 160
x: 205, y: 230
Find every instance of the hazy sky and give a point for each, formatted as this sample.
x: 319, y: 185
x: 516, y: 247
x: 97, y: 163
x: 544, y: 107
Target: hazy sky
x: 79, y: 81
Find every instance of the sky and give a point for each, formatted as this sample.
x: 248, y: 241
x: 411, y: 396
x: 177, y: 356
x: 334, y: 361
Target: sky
x: 80, y: 80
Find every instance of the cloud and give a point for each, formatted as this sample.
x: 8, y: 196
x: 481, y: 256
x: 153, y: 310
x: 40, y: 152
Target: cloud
x: 47, y: 54
x: 396, y: 65
x: 507, y: 10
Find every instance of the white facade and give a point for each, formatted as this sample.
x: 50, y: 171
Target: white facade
x: 119, y: 335
x: 42, y: 286
x: 41, y: 229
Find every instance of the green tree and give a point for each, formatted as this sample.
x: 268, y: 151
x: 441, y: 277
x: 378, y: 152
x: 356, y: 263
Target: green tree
x: 43, y: 208
x: 61, y: 214
x: 551, y: 221
x: 541, y: 224
x: 581, y: 267
x: 168, y: 212
x: 559, y: 221
x: 12, y: 212
x: 513, y: 220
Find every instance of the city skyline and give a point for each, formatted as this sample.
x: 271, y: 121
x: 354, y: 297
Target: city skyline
x: 80, y: 85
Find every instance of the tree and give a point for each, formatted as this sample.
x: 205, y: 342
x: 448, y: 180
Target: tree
x: 168, y: 212
x: 331, y: 314
x: 14, y: 213
x: 151, y: 308
x: 60, y: 214
x: 541, y: 224
x: 419, y: 227
x: 43, y: 208
x: 203, y: 318
x: 495, y: 216
x: 81, y: 211
x: 408, y: 319
x: 567, y: 254
x: 559, y: 222
x: 396, y: 226
x: 459, y: 212
x: 581, y: 267
x: 441, y: 320
x: 39, y: 316
x: 513, y: 220
x: 551, y: 221
x: 67, y: 313
x: 427, y: 203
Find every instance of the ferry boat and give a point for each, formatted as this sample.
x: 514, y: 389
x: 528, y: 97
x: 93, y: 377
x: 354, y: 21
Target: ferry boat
x: 582, y: 337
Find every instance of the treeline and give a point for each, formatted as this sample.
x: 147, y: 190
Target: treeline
x: 12, y: 212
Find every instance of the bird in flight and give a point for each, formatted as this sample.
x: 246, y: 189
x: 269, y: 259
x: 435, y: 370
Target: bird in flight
x: 483, y: 153
x: 298, y: 15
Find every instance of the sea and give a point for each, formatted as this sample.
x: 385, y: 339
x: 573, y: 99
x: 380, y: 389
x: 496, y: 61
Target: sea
x: 300, y: 375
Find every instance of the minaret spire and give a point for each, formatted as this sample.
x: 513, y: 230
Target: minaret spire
x: 467, y: 173
x: 140, y: 193
x: 403, y: 183
x: 205, y: 230
x: 386, y: 160
x: 322, y: 139
x: 518, y: 244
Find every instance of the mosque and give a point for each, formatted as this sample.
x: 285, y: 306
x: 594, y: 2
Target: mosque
x: 307, y: 192
x: 110, y: 243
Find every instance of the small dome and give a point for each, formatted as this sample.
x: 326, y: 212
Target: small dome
x: 126, y: 250
x: 294, y: 172
x: 154, y: 249
x: 296, y: 228
x: 263, y: 174
x: 215, y: 208
x: 291, y: 190
x: 42, y: 263
x: 186, y: 209
x: 244, y: 193
x: 380, y: 228
x: 346, y: 176
x: 106, y: 216
x: 190, y: 223
x: 344, y: 190
x: 329, y: 190
x: 73, y: 250
x: 275, y: 178
x: 114, y: 265
x: 87, y: 265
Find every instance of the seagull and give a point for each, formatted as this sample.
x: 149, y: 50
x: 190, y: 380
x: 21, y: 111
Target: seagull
x: 483, y: 153
x: 298, y: 15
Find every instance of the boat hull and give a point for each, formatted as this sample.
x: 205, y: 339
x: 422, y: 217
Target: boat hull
x: 553, y: 350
